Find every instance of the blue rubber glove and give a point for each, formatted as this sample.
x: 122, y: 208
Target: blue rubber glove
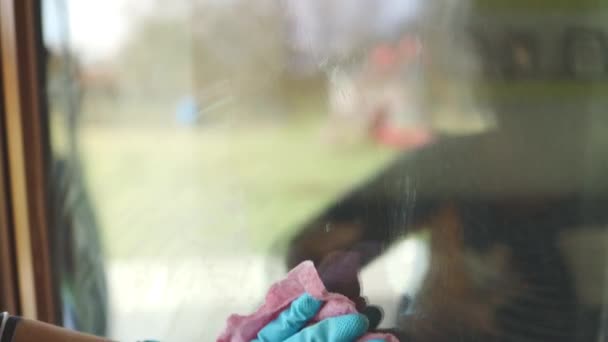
x: 290, y: 325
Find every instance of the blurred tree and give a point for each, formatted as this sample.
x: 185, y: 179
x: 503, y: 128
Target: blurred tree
x: 210, y: 49
x: 240, y: 43
x: 155, y: 62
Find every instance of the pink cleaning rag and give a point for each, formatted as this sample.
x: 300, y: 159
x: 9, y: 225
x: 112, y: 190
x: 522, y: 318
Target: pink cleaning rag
x: 303, y: 278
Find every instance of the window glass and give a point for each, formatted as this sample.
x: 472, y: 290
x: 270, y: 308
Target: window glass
x: 456, y: 149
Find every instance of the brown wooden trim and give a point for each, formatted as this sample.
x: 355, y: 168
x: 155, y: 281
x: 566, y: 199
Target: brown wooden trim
x: 27, y: 146
x: 8, y: 273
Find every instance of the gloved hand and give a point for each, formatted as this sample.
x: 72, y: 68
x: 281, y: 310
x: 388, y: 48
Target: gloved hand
x: 290, y: 325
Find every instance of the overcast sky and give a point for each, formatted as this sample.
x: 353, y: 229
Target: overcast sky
x: 97, y: 29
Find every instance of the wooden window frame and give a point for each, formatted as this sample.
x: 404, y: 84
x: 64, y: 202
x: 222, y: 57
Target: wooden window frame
x: 24, y: 153
x: 8, y: 275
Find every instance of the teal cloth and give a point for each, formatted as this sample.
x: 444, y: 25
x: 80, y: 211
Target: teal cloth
x: 291, y: 325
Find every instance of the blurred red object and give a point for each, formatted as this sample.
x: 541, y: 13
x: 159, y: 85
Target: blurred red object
x: 410, y: 48
x: 384, y: 57
x: 402, y: 138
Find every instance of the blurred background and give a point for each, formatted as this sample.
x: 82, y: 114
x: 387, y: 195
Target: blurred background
x: 192, y: 139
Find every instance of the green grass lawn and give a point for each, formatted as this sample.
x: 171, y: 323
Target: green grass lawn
x: 541, y: 5
x: 179, y: 192
x: 540, y: 90
x: 169, y: 191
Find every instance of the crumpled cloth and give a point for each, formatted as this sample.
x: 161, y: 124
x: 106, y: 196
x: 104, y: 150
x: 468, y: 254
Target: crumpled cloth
x: 303, y: 278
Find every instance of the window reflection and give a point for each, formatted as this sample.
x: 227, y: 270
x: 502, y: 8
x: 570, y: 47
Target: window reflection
x: 586, y: 53
x: 522, y: 54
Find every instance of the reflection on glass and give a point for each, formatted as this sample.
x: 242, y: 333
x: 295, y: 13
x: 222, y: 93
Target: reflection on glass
x: 587, y: 52
x: 521, y: 52
x: 202, y: 148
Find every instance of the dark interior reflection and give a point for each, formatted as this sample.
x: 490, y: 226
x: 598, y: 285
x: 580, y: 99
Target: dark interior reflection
x: 516, y: 216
